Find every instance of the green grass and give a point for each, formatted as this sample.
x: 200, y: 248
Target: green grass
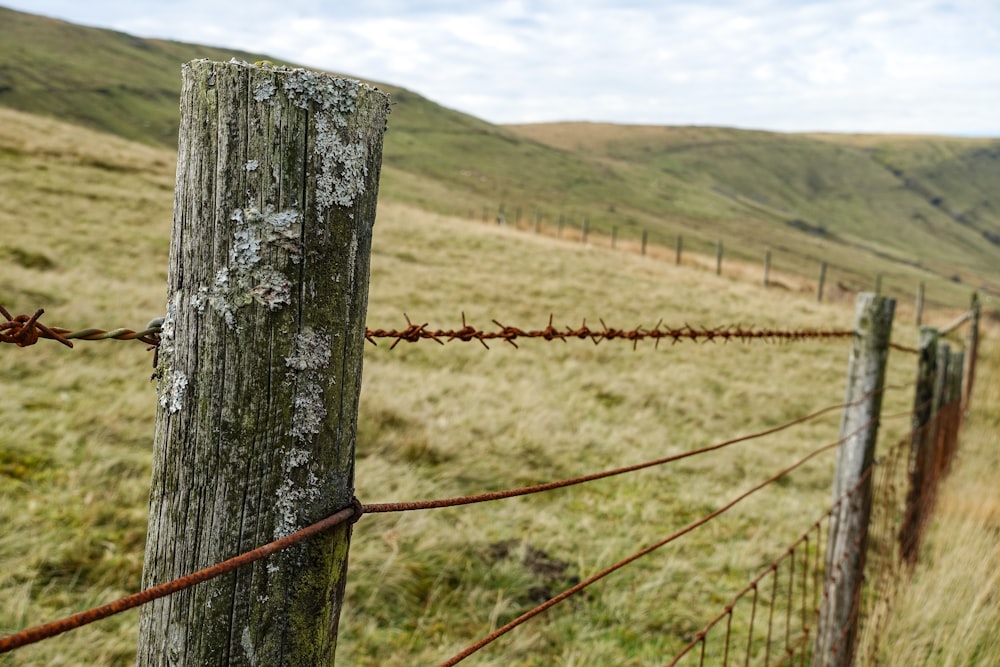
x: 85, y: 234
x: 915, y: 209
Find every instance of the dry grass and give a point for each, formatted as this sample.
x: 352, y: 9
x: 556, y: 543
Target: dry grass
x: 86, y: 236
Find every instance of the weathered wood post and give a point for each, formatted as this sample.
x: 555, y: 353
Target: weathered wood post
x: 767, y: 267
x: 920, y: 303
x: 845, y: 555
x: 718, y: 258
x: 260, y: 361
x: 645, y: 239
x: 972, y: 346
x: 586, y: 230
x: 922, y: 443
x: 821, y: 281
x: 679, y: 250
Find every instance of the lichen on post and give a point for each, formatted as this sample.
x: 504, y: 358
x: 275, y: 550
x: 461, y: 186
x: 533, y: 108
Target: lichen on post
x: 260, y: 360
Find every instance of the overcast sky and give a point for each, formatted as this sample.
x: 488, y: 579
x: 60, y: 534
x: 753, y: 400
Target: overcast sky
x: 849, y: 65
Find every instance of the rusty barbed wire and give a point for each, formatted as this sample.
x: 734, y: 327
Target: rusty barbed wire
x: 24, y: 330
x: 508, y: 334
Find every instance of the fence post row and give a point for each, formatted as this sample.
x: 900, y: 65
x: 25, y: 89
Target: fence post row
x: 260, y: 361
x: 837, y: 631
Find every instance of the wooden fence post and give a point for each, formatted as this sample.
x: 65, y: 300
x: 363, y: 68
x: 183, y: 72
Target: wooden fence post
x: 645, y: 238
x: 955, y: 383
x: 767, y: 266
x: 822, y: 280
x: 679, y: 250
x: 972, y: 345
x: 585, y: 231
x: 260, y: 361
x: 920, y: 303
x: 718, y: 258
x: 921, y: 448
x: 837, y: 631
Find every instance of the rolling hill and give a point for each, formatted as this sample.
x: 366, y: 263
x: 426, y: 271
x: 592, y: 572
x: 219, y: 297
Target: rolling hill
x: 915, y: 209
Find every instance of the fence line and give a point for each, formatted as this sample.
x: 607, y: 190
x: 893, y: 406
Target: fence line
x: 24, y: 331
x: 354, y: 512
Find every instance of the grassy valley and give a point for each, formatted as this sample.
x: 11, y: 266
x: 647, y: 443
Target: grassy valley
x: 914, y: 209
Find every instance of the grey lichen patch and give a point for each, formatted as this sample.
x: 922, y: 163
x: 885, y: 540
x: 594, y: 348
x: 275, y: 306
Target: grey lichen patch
x: 343, y: 167
x: 249, y: 277
x: 251, y: 165
x: 172, y: 392
x: 172, y: 383
x: 264, y: 91
x: 306, y: 364
x: 322, y: 90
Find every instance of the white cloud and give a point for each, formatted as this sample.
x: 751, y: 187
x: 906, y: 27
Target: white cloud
x: 918, y: 65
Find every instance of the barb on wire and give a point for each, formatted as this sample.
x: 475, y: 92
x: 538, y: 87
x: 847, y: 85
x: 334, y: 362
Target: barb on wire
x: 23, y: 331
x: 413, y: 333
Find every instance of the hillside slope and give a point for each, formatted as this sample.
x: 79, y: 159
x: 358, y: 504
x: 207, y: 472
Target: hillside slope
x: 915, y: 209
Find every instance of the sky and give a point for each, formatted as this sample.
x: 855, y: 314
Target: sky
x: 896, y: 66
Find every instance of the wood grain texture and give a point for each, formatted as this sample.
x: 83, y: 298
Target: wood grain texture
x: 260, y: 362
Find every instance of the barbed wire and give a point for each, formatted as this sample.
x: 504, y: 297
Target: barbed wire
x: 24, y: 330
x: 416, y: 332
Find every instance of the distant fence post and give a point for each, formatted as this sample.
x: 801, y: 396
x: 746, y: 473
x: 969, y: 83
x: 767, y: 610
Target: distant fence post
x: 614, y: 237
x: 837, y: 631
x: 920, y: 303
x: 922, y: 448
x: 718, y: 258
x: 767, y: 266
x: 878, y: 283
x: 679, y: 250
x: 820, y: 283
x: 260, y: 361
x: 586, y: 230
x: 972, y: 346
x: 645, y: 238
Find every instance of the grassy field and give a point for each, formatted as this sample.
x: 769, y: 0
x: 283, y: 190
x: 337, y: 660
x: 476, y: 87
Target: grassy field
x: 85, y: 235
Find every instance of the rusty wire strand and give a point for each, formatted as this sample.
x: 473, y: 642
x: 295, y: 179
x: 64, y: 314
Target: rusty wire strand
x: 499, y: 632
x: 38, y: 633
x: 24, y: 330
x: 378, y: 508
x: 417, y: 332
